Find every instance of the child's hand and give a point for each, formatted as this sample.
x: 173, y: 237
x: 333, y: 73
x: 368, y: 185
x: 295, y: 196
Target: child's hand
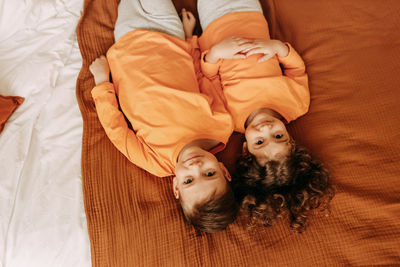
x: 189, y: 22
x: 100, y: 70
x: 269, y: 48
x: 229, y: 48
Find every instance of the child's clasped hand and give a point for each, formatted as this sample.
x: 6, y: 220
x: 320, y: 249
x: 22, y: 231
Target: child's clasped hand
x: 237, y: 48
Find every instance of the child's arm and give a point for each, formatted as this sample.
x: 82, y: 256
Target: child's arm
x: 114, y: 123
x: 293, y: 64
x: 294, y: 67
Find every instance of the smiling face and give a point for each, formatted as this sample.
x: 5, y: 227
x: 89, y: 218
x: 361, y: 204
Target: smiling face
x: 198, y: 176
x: 267, y: 138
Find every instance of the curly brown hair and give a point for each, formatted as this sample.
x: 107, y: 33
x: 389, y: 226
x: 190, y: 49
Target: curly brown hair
x: 297, y: 185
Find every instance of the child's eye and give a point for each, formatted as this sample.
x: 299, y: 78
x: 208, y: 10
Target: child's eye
x: 210, y: 173
x: 188, y: 181
x: 278, y: 136
x: 259, y: 142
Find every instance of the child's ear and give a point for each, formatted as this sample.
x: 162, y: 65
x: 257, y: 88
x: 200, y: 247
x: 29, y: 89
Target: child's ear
x: 175, y: 187
x: 225, y: 171
x: 245, y: 151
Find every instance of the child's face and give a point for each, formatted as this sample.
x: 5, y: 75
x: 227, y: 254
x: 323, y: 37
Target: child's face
x: 199, y: 175
x: 267, y: 138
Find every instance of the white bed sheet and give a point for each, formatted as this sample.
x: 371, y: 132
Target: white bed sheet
x: 42, y: 218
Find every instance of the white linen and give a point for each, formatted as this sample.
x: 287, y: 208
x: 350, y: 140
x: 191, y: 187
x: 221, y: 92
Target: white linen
x: 42, y: 218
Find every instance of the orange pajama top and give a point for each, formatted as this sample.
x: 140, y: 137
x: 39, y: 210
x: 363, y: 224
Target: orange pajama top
x: 165, y: 97
x: 249, y: 85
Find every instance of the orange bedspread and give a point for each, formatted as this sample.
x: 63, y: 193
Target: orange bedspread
x: 352, y: 53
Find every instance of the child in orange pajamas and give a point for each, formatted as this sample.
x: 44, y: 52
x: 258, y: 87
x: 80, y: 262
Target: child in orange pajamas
x: 178, y: 116
x: 273, y: 171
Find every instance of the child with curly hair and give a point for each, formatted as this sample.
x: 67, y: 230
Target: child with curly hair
x: 274, y: 174
x: 178, y: 116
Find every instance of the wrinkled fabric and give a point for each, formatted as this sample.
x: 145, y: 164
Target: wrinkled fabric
x: 42, y: 219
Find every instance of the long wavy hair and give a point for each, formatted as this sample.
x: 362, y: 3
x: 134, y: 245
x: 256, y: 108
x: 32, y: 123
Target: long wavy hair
x: 296, y: 185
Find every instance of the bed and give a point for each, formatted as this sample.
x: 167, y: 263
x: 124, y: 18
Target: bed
x: 51, y: 153
x: 42, y: 219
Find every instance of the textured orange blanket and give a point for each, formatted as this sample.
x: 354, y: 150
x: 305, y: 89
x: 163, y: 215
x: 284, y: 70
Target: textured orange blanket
x: 352, y: 53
